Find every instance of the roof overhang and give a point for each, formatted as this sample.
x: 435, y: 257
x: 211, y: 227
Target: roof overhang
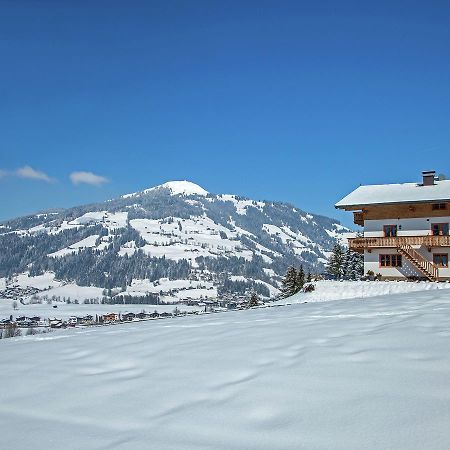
x: 365, y: 205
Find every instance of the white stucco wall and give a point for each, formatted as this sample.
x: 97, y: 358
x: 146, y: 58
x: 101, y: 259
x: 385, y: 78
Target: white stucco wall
x: 405, y: 227
x: 372, y: 262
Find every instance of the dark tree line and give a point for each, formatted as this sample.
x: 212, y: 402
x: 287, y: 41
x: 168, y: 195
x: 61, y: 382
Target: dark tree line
x: 148, y: 299
x: 22, y: 252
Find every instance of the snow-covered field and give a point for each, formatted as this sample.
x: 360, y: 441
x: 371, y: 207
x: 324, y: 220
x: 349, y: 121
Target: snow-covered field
x: 349, y: 374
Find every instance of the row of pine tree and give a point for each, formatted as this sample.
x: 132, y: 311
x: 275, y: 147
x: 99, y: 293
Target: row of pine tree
x: 343, y: 264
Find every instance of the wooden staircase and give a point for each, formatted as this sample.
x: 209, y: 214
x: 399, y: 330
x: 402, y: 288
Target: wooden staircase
x: 418, y: 261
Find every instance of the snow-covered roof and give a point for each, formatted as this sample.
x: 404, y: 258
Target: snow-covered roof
x: 396, y: 193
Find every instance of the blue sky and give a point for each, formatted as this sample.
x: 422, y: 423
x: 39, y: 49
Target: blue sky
x: 293, y: 101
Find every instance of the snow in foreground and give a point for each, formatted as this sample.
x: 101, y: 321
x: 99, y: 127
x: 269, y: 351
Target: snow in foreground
x: 350, y: 374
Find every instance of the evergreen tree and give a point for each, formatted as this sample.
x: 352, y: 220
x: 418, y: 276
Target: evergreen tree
x: 346, y: 265
x: 359, y: 265
x: 309, y: 277
x: 352, y: 266
x: 335, y: 263
x: 355, y: 268
x: 300, y: 279
x: 253, y: 300
x: 289, y: 282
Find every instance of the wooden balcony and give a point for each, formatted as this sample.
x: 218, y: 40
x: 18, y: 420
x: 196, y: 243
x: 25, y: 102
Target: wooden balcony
x: 361, y: 244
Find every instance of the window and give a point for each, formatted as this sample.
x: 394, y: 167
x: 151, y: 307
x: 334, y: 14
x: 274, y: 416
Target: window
x: 390, y: 230
x: 390, y: 260
x: 440, y: 259
x: 439, y: 229
x: 438, y: 206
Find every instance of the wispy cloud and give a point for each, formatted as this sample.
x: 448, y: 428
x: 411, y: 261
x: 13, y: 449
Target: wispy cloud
x: 87, y: 178
x: 32, y: 174
x: 79, y: 177
x: 26, y: 172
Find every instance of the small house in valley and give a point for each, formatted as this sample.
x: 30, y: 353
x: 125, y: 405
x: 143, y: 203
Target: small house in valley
x: 405, y: 228
x: 110, y: 317
x: 85, y: 320
x: 129, y: 316
x: 56, y: 323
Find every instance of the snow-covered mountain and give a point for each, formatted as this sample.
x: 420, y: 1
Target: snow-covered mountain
x: 175, y: 239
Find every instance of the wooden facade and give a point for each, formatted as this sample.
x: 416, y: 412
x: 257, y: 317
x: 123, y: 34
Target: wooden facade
x: 400, y: 211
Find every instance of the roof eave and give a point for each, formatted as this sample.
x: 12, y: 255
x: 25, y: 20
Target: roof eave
x: 409, y: 202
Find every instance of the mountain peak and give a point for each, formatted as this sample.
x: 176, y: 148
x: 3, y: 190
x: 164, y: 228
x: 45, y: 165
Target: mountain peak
x: 183, y: 187
x: 176, y: 188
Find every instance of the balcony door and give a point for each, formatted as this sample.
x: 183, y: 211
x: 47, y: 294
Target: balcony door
x: 439, y: 229
x: 390, y: 230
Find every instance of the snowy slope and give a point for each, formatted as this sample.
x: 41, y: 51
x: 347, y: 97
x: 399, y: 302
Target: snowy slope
x: 88, y: 242
x: 353, y: 374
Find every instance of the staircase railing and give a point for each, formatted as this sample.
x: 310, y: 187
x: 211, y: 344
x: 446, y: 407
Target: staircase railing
x: 425, y: 266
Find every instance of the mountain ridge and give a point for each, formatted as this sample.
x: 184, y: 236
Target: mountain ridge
x: 177, y: 230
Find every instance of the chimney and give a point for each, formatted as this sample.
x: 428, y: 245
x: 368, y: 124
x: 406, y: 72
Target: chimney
x: 428, y: 177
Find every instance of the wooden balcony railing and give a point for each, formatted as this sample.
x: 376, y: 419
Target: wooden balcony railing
x: 429, y: 269
x: 358, y: 244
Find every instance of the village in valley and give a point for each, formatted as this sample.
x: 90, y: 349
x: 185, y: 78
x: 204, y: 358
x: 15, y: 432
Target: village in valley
x: 18, y: 324
x: 33, y: 324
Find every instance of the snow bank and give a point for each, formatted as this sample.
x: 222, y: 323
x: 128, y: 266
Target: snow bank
x: 344, y: 375
x: 328, y: 290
